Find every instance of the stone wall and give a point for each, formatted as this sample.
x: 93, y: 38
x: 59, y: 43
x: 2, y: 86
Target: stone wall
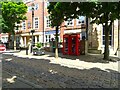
x: 95, y: 37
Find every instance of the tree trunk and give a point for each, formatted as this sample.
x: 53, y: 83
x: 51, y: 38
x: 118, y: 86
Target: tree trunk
x: 106, y: 50
x: 9, y: 40
x: 14, y: 42
x: 86, y: 41
x: 56, y: 43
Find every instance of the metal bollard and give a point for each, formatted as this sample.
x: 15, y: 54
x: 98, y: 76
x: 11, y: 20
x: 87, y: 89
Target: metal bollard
x: 26, y: 50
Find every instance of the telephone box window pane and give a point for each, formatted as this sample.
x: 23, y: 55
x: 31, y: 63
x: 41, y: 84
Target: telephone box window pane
x: 66, y: 44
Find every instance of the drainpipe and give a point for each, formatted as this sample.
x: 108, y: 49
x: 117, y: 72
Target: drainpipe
x: 118, y: 34
x: 43, y: 25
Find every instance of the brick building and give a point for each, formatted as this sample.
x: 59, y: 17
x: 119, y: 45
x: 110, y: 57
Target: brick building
x: 31, y: 23
x: 41, y: 24
x: 43, y: 33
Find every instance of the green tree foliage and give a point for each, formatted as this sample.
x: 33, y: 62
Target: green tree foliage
x: 11, y: 0
x: 101, y: 13
x: 58, y: 11
x: 12, y: 13
x: 56, y: 17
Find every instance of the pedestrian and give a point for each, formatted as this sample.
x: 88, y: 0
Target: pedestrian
x: 29, y: 45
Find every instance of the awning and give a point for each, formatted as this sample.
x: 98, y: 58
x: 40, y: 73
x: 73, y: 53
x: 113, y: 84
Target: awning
x: 51, y: 32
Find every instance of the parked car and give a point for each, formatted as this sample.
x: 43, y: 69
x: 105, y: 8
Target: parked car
x: 2, y: 47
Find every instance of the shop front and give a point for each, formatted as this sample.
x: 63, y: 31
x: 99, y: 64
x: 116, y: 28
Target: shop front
x: 49, y: 35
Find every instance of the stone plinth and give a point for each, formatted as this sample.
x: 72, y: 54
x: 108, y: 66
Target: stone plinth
x: 118, y: 53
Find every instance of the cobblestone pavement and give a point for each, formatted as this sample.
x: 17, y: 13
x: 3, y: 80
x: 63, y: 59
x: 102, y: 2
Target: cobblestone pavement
x: 48, y: 75
x: 16, y: 84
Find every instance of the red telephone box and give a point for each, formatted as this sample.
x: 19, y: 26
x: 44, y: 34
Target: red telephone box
x: 71, y: 44
x: 66, y: 41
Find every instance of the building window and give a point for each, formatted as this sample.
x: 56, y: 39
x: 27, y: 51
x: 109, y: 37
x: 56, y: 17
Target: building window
x: 69, y: 22
x: 27, y: 1
x: 110, y: 36
x: 80, y: 20
x: 29, y: 25
x: 47, y: 4
x: 29, y: 8
x: 4, y: 39
x: 48, y: 22
x: 36, y: 23
x: 23, y: 25
x: 36, y: 6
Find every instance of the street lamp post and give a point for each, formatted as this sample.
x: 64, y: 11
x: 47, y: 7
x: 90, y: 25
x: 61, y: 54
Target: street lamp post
x: 32, y: 31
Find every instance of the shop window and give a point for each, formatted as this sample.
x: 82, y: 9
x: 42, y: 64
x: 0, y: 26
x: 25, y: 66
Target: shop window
x: 48, y: 38
x: 37, y: 38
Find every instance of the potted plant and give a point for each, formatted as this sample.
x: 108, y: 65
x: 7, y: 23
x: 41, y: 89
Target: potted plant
x: 37, y: 49
x: 39, y: 45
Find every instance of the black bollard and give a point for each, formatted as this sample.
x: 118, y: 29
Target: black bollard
x: 26, y: 50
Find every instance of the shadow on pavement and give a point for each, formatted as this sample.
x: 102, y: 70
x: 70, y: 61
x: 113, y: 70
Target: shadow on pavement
x: 94, y: 58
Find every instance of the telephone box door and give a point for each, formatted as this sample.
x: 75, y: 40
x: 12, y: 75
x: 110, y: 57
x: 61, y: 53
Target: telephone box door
x: 75, y: 44
x: 78, y: 44
x: 66, y: 44
x: 72, y: 45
